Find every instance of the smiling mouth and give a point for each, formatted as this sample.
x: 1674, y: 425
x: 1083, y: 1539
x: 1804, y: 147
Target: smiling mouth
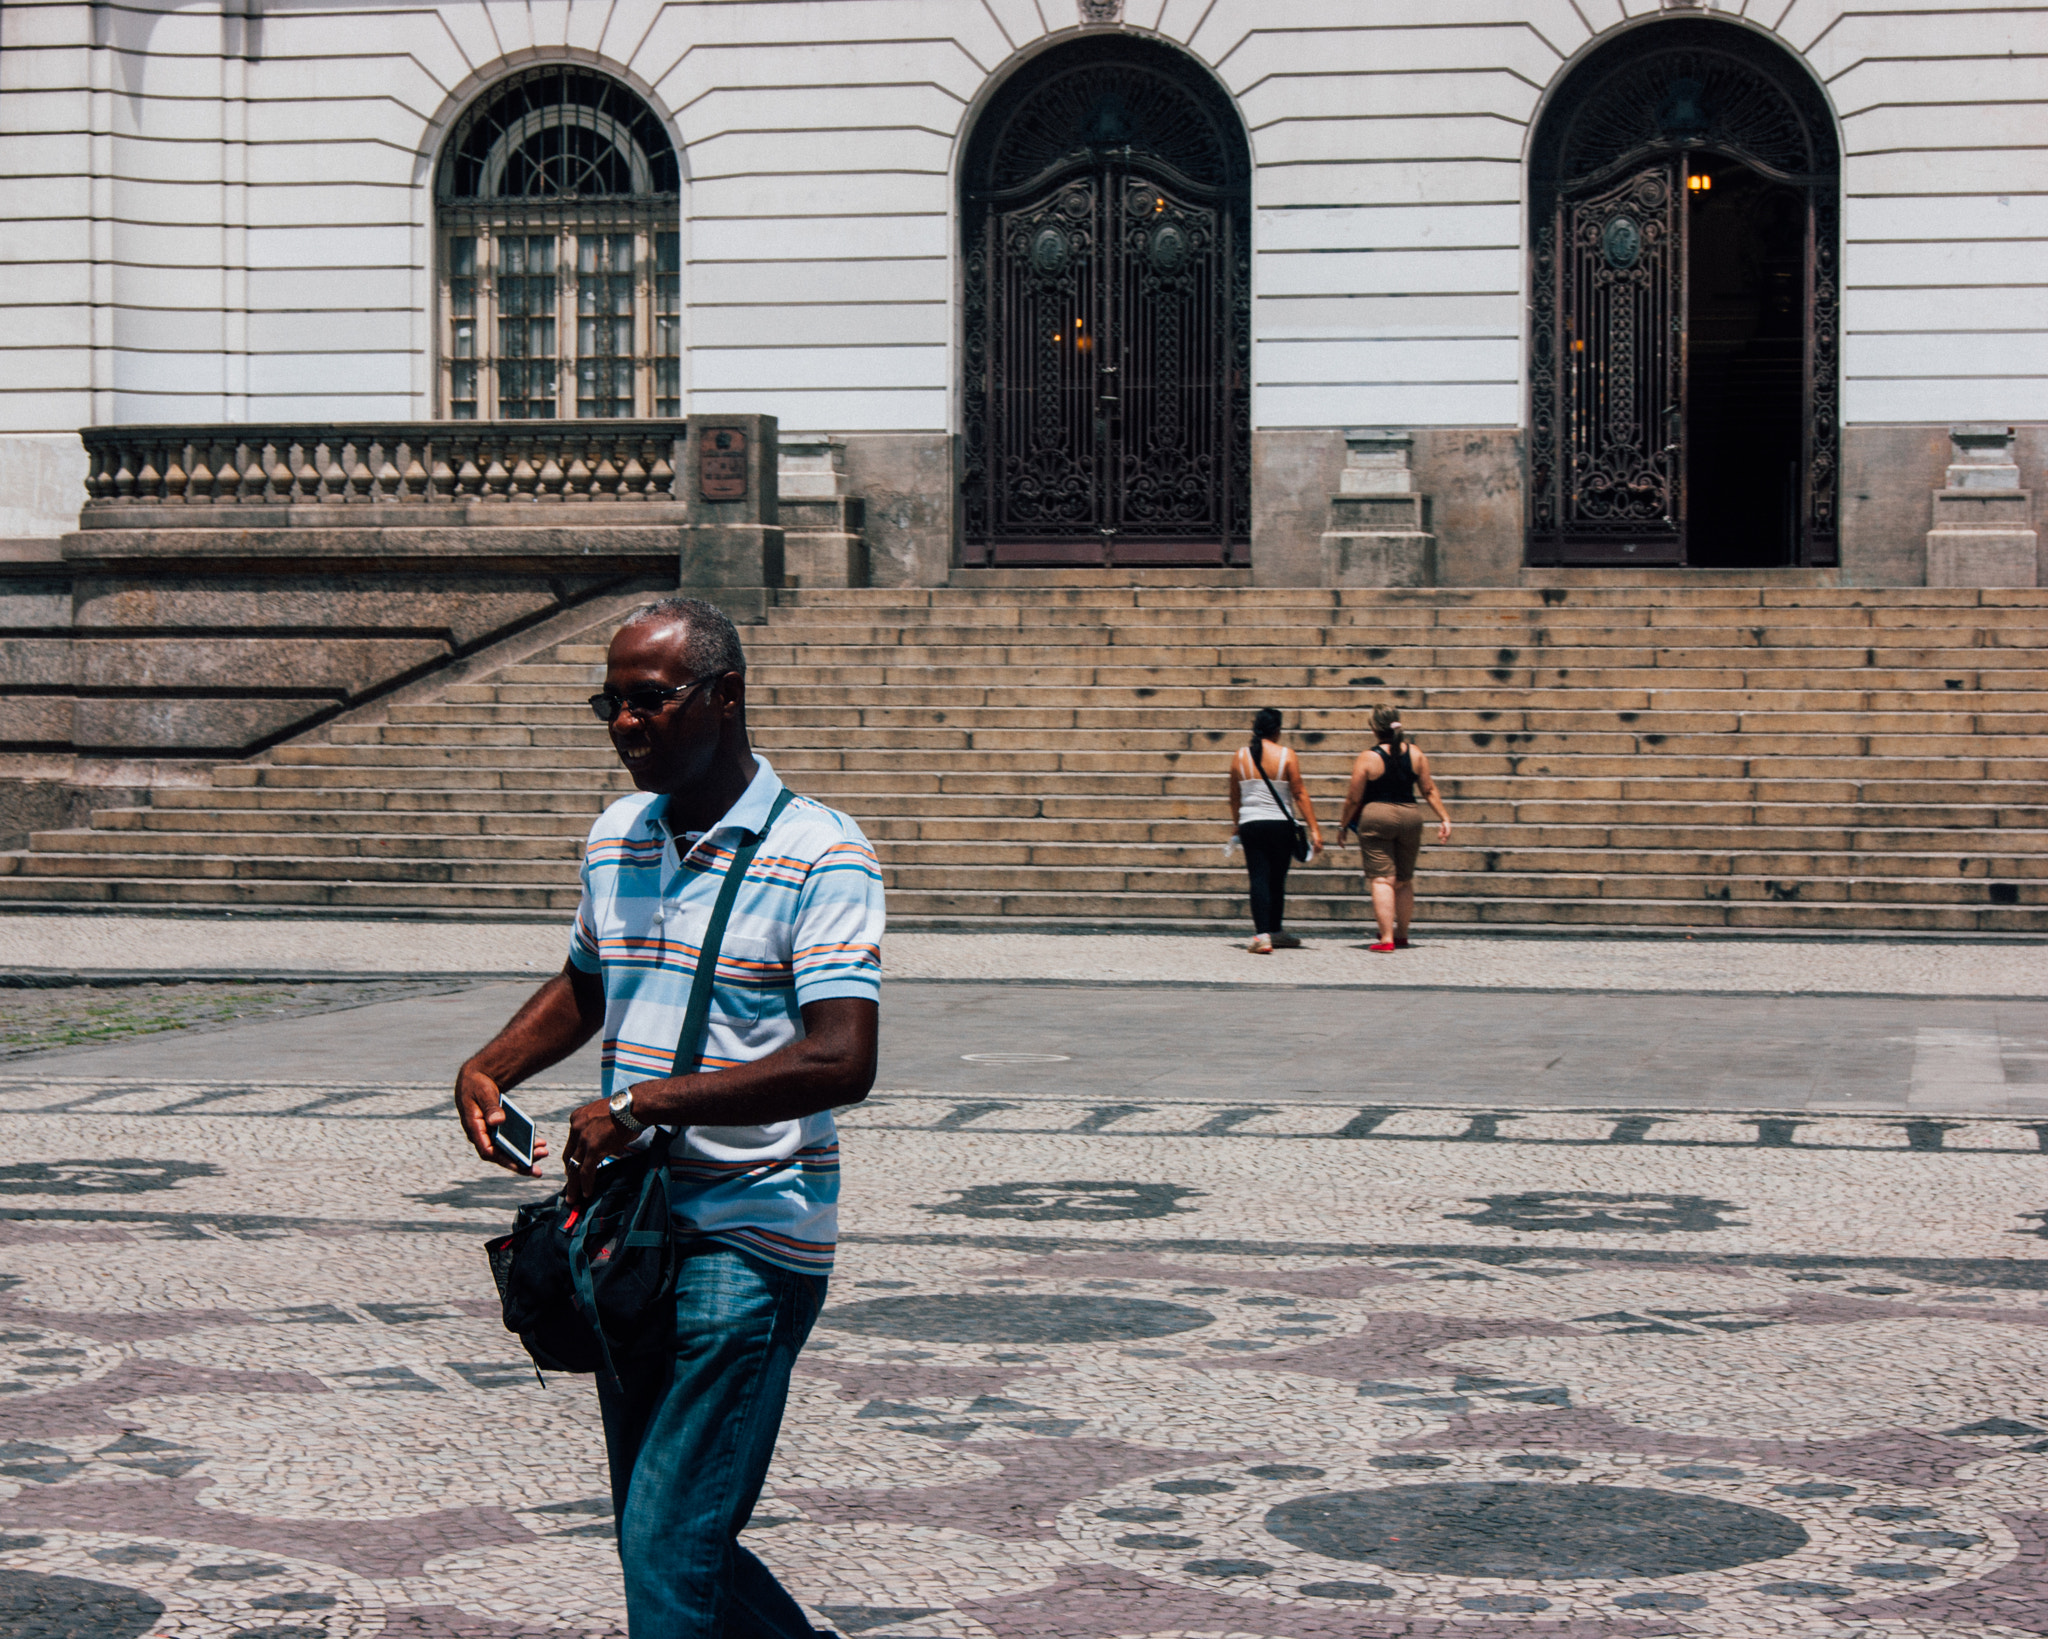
x: 633, y: 751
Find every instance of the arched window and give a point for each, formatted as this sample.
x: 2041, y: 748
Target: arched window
x: 560, y: 263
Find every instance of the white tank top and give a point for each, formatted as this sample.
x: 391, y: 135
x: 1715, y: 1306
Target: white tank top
x: 1254, y: 801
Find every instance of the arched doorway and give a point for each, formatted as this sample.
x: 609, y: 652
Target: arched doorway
x: 1684, y: 187
x: 1107, y: 308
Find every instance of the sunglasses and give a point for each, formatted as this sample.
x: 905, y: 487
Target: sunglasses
x: 645, y: 701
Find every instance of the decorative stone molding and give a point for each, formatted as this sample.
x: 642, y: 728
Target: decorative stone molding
x: 1101, y: 11
x: 1983, y: 532
x: 1377, y: 534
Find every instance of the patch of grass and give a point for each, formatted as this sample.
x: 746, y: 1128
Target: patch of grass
x: 45, y: 1020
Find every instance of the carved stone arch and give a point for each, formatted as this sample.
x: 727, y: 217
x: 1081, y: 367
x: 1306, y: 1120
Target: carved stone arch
x: 1634, y: 456
x: 1106, y: 317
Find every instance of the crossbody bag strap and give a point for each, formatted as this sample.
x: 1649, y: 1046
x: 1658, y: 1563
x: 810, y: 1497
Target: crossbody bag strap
x: 1261, y: 770
x: 689, y: 1052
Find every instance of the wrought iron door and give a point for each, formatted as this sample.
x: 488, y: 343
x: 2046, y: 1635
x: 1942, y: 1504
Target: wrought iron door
x: 1619, y: 271
x: 1608, y: 365
x: 1107, y: 359
x: 1106, y: 346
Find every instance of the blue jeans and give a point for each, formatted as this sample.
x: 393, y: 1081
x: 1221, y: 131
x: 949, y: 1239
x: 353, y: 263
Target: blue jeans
x: 689, y: 1448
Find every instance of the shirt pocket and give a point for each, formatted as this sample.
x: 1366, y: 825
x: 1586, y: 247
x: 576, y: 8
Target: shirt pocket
x: 754, y: 980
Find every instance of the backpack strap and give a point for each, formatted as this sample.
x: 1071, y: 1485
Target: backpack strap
x: 689, y: 1054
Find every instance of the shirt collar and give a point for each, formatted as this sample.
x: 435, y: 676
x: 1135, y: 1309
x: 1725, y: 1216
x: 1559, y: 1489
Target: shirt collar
x: 750, y: 813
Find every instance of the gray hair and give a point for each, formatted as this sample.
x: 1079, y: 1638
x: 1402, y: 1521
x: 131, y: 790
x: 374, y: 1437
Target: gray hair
x: 711, y: 647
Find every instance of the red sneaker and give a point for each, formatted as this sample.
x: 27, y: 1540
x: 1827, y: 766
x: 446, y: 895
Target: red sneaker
x: 1387, y: 946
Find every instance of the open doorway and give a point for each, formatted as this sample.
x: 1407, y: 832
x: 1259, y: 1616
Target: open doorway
x: 1745, y: 366
x: 1685, y: 306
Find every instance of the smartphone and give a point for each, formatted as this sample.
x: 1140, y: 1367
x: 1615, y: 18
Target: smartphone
x: 514, y: 1135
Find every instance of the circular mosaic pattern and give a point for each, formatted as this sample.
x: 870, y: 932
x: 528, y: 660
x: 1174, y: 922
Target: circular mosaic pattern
x: 1018, y: 1318
x: 1515, y: 1529
x: 1750, y: 1544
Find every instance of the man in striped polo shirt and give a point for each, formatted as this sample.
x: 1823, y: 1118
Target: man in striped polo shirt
x: 754, y: 1172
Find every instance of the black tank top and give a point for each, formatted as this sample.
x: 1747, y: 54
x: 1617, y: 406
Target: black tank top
x: 1396, y: 782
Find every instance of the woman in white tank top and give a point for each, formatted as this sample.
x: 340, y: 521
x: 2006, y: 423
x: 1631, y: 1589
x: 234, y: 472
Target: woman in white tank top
x: 1266, y: 797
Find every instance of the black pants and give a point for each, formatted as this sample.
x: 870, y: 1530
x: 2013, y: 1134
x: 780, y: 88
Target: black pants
x: 1268, y: 851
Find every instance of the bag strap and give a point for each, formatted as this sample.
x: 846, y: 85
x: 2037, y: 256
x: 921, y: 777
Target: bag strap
x: 1260, y: 769
x: 689, y: 1054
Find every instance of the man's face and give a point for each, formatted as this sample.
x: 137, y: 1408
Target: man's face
x: 671, y: 748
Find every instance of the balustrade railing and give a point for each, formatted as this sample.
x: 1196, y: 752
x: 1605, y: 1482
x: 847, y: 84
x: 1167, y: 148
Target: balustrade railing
x: 382, y: 464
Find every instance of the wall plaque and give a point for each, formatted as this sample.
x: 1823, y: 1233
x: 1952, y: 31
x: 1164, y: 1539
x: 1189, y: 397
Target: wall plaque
x: 722, y: 464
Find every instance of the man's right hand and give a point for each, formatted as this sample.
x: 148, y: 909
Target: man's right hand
x: 476, y: 1101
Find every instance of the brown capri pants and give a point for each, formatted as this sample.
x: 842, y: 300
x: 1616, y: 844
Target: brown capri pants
x: 1391, y: 835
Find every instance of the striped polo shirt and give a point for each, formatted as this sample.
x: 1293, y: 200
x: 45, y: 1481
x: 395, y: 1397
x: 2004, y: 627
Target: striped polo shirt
x: 806, y: 926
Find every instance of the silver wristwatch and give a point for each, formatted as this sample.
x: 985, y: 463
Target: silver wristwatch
x: 622, y: 1111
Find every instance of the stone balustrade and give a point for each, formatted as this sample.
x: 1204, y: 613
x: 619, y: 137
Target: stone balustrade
x: 423, y: 463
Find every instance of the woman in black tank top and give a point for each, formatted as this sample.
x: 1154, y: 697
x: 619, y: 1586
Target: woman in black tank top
x: 1396, y: 780
x: 1381, y: 808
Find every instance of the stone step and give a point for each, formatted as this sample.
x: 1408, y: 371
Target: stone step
x: 1442, y: 728
x: 1437, y: 711
x: 1497, y: 825
x: 101, y: 887
x: 1254, y: 646
x: 1022, y: 909
x: 1466, y: 694
x: 1626, y: 777
x: 1453, y: 873
x: 1235, y: 700
x: 584, y: 798
x: 1720, y: 827
x: 910, y: 600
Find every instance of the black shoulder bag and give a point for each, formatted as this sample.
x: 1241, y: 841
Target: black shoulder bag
x: 1302, y: 846
x: 584, y: 1287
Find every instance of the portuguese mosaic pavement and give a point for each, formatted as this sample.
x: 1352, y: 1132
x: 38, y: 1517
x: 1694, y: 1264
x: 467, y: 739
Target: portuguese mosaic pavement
x: 1089, y: 1370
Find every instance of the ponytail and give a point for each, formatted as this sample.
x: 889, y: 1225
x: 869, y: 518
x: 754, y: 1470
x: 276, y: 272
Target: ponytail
x: 1386, y: 726
x: 1265, y: 726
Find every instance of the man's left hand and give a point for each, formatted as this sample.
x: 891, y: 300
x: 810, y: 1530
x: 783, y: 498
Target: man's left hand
x: 593, y: 1137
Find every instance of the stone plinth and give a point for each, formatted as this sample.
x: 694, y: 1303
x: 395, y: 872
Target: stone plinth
x: 823, y: 525
x: 730, y: 481
x: 1378, y: 534
x: 1983, y: 532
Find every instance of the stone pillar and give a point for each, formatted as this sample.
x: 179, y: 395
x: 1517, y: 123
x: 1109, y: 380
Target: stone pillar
x: 732, y: 545
x: 823, y: 539
x: 1376, y: 535
x: 1983, y: 532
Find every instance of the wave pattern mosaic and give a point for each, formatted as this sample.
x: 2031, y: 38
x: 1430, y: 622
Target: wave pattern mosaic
x: 1230, y: 1376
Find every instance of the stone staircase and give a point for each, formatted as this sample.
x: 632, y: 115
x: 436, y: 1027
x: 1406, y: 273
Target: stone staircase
x: 1646, y: 750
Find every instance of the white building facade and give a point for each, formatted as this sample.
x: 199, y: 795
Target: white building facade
x: 1721, y: 285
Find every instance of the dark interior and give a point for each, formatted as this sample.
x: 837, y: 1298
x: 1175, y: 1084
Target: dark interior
x: 1745, y: 389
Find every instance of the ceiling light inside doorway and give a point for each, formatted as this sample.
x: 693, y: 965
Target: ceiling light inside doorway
x: 1700, y: 182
